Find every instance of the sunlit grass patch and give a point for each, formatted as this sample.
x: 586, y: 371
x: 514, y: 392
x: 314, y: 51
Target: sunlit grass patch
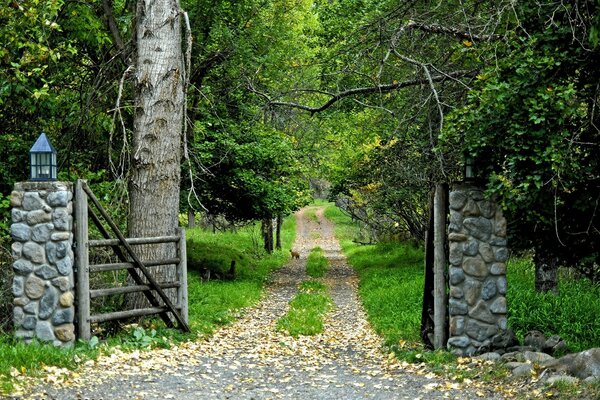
x: 307, y: 310
x: 316, y: 264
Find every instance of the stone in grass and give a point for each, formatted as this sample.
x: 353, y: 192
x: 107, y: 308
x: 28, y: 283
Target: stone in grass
x: 524, y: 370
x: 490, y: 356
x: 554, y: 379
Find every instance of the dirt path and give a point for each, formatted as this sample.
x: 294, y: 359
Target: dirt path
x: 250, y: 360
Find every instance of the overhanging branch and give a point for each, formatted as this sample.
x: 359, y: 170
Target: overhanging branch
x: 335, y: 97
x: 449, y: 31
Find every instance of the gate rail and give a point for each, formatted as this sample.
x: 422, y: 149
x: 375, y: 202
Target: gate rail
x: 129, y: 260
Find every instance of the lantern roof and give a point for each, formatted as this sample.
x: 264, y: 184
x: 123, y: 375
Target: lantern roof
x: 42, y: 145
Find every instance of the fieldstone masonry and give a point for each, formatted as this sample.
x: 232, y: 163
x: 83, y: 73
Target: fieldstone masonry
x: 43, y: 261
x: 477, y: 273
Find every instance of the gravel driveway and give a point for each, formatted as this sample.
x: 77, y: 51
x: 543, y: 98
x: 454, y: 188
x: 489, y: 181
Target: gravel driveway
x: 249, y: 359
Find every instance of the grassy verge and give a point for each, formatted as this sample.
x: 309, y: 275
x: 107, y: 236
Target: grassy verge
x: 316, y: 264
x: 572, y: 314
x: 211, y: 303
x: 307, y: 310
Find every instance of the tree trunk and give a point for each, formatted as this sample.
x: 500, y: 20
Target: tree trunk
x: 439, y: 267
x: 191, y: 218
x: 267, y: 233
x: 546, y: 271
x: 427, y: 324
x: 156, y: 157
x: 278, y: 232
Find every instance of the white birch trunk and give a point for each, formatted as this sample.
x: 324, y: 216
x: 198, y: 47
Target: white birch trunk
x: 158, y: 121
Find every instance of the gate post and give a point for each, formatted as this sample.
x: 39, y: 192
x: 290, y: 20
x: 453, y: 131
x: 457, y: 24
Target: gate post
x: 82, y: 258
x: 43, y: 261
x: 477, y: 273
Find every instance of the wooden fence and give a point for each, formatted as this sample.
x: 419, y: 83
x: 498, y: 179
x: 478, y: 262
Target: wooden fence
x: 138, y: 270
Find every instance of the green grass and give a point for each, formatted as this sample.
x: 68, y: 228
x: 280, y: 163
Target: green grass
x: 316, y: 264
x: 211, y: 304
x: 572, y: 314
x: 307, y: 310
x: 391, y: 281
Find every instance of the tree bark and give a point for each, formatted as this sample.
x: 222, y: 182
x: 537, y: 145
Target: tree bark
x: 278, y: 232
x: 439, y: 267
x: 191, y: 218
x: 546, y: 271
x: 267, y: 232
x: 427, y: 323
x: 156, y: 156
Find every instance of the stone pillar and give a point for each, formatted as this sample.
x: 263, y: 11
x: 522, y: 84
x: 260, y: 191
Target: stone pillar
x: 43, y: 283
x: 478, y: 255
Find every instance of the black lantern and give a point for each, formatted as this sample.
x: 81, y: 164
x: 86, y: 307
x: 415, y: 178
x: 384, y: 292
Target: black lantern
x: 42, y: 158
x: 469, y: 173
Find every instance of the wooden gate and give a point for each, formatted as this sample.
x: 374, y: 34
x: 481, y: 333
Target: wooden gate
x: 137, y: 269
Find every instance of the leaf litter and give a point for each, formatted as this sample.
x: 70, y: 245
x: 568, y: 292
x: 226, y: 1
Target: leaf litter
x: 250, y: 359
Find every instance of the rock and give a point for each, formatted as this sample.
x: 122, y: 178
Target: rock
x: 499, y: 306
x: 486, y: 252
x: 536, y: 357
x: 504, y: 339
x: 456, y: 275
x: 24, y: 334
x: 482, y: 313
x: 472, y: 289
x: 501, y: 284
x: 480, y: 331
x: 457, y: 307
x: 20, y: 232
x: 457, y: 200
x: 490, y: 356
x: 501, y: 254
x: 480, y: 228
x: 471, y: 209
x: 16, y: 199
x: 476, y: 194
x: 471, y: 248
x: 41, y: 233
x: 44, y: 331
x: 63, y: 283
x: 18, y: 286
x: 21, y: 301
x: 59, y: 199
x: 61, y: 219
x: 524, y: 370
x: 34, y: 252
x: 60, y: 236
x: 18, y: 316
x: 456, y: 219
x: 554, y: 345
x: 475, y: 266
x: 487, y: 208
x: 459, y: 341
x: 34, y: 287
x: 455, y: 254
x: 38, y: 217
x: 31, y: 308
x: 503, y: 323
x: 17, y: 215
x: 56, y: 251
x: 456, y: 292
x: 64, y: 333
x: 535, y: 339
x: 46, y: 271
x: 499, y: 224
x: 498, y: 242
x: 63, y: 316
x: 457, y: 237
x: 29, y: 322
x: 562, y: 379
x: 65, y: 266
x: 498, y: 269
x: 582, y: 365
x: 489, y: 289
x: 32, y: 201
x: 66, y: 299
x: 17, y: 250
x: 457, y: 326
x: 48, y: 303
x: 22, y: 267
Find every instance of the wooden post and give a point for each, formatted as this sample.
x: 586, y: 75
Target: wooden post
x: 182, y: 291
x: 82, y: 262
x: 439, y: 260
x: 427, y: 323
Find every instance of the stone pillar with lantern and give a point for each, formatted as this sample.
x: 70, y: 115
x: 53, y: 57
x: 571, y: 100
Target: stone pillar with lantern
x: 42, y: 233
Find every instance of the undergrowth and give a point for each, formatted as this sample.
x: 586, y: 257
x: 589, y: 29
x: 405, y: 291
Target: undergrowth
x: 316, y: 264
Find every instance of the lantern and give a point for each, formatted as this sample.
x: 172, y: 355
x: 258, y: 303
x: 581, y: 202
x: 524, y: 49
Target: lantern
x: 469, y: 172
x: 42, y: 158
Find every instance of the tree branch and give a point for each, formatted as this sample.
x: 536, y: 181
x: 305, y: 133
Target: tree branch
x: 450, y: 31
x: 335, y: 97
